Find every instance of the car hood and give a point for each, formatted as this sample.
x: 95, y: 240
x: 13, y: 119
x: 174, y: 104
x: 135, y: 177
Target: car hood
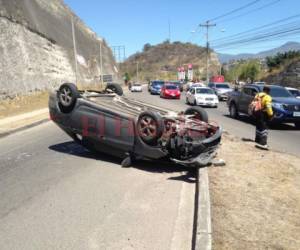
x: 286, y: 100
x: 206, y: 95
x: 223, y: 91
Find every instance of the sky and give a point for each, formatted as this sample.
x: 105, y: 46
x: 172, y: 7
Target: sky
x: 133, y: 23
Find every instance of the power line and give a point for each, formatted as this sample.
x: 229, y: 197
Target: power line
x: 255, y: 29
x: 251, y: 11
x: 263, y: 37
x: 235, y: 10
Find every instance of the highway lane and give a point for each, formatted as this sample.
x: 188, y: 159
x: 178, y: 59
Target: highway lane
x: 283, y: 138
x: 56, y: 195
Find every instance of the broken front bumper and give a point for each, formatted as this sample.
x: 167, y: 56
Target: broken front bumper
x: 208, y: 149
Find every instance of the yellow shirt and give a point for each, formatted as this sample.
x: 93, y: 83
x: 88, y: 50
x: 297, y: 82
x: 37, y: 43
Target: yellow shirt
x: 266, y: 101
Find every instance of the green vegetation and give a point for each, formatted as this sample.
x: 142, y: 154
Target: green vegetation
x: 281, y: 59
x: 243, y: 71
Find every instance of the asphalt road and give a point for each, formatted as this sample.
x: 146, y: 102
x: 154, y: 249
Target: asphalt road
x: 56, y: 195
x: 283, y: 138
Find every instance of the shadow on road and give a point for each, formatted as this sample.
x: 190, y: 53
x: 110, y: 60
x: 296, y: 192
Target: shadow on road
x: 281, y: 126
x: 73, y: 148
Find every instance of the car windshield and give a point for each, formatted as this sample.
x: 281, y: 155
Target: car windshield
x: 294, y: 92
x: 204, y: 91
x: 280, y: 92
x: 222, y: 86
x: 171, y: 87
x: 157, y: 84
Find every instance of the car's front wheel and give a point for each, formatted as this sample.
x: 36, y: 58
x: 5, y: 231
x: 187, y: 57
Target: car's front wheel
x: 150, y: 127
x: 67, y: 97
x: 116, y: 88
x: 198, y: 113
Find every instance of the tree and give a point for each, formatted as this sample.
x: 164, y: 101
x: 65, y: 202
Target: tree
x: 126, y: 78
x: 146, y: 47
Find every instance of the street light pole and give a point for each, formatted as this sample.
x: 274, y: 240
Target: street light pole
x: 207, y: 25
x: 75, y: 50
x: 101, y: 64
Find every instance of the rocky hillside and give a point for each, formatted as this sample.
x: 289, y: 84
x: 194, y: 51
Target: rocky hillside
x: 162, y: 60
x: 288, y: 76
x: 36, y: 47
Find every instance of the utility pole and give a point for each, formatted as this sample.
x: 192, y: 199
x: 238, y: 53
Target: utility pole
x: 101, y: 65
x: 169, y: 30
x: 207, y: 25
x: 75, y: 50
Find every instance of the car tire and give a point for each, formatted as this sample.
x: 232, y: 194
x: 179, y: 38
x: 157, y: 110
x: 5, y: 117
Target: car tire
x: 233, y: 111
x: 114, y: 87
x: 150, y: 127
x: 297, y: 125
x: 199, y: 113
x: 67, y: 96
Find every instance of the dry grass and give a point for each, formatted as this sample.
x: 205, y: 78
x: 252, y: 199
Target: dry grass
x: 23, y: 104
x: 255, y: 199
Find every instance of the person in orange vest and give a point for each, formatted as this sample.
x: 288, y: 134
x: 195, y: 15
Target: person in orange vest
x: 263, y: 113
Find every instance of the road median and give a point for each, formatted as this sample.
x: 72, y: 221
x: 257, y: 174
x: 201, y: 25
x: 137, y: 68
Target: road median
x: 255, y: 198
x: 20, y: 122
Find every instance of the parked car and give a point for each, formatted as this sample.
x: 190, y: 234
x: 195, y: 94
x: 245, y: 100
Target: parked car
x: 194, y: 84
x: 108, y: 123
x: 170, y: 91
x: 178, y: 83
x: 294, y: 92
x: 202, y: 96
x: 221, y: 89
x: 155, y: 87
x: 285, y: 106
x: 136, y: 87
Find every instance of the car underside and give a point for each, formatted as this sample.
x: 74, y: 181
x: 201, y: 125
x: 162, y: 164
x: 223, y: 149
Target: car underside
x: 109, y: 123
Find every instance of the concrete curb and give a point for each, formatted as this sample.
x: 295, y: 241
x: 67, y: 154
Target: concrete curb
x: 31, y: 125
x: 202, y: 231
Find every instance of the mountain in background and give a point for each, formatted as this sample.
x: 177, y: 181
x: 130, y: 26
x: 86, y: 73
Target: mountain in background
x: 162, y: 60
x: 224, y: 58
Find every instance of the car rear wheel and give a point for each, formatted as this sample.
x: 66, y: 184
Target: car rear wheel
x: 297, y: 125
x: 114, y: 87
x: 67, y: 97
x: 150, y: 127
x: 198, y: 112
x: 233, y: 112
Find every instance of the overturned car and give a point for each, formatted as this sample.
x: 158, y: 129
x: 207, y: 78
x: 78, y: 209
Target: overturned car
x: 108, y: 122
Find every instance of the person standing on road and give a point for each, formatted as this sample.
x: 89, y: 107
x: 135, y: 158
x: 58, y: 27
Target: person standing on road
x: 263, y: 112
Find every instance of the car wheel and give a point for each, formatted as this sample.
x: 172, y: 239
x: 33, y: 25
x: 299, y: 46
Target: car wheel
x: 150, y: 127
x: 67, y: 97
x: 114, y: 87
x: 195, y: 103
x: 297, y: 125
x: 233, y: 112
x: 198, y: 112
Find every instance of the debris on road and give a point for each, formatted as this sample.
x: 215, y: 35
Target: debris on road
x: 219, y: 163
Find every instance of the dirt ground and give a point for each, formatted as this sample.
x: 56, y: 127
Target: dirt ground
x: 23, y: 104
x: 255, y: 198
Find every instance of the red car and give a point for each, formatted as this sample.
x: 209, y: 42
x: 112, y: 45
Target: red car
x: 170, y: 91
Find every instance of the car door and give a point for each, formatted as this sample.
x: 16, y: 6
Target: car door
x: 245, y: 99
